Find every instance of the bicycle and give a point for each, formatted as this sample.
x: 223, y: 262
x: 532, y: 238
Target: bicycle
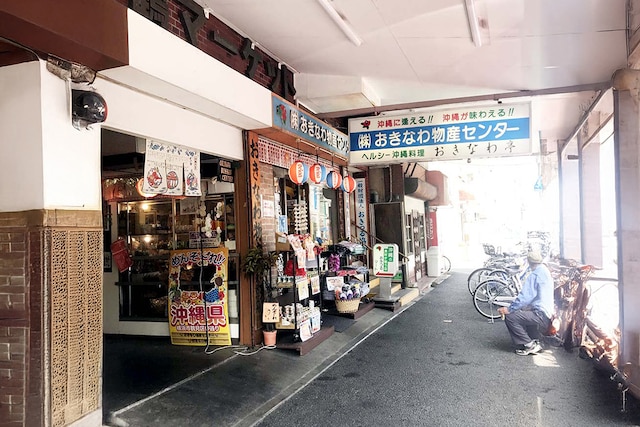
x: 503, y: 268
x: 490, y: 293
x: 445, y: 264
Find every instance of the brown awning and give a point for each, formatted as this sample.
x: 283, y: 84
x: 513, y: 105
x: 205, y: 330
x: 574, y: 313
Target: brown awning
x: 92, y: 33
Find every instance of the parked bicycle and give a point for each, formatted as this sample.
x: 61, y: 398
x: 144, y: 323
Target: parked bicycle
x: 445, y: 264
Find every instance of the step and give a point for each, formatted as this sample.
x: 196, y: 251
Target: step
x: 407, y: 295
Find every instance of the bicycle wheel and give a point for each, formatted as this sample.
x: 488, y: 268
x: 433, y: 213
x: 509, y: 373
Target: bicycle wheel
x: 446, y: 264
x: 479, y: 275
x: 485, y: 295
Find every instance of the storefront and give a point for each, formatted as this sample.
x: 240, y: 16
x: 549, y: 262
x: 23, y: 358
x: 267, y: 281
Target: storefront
x: 55, y: 207
x: 299, y: 187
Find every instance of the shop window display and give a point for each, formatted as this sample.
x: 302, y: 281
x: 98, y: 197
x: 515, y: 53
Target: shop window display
x: 152, y: 229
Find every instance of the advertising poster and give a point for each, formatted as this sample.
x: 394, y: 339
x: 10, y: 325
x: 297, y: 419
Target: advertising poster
x: 191, y: 310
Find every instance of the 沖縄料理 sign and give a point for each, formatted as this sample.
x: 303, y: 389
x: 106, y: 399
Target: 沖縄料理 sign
x: 455, y: 133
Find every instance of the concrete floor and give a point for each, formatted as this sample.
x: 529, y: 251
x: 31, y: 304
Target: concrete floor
x: 433, y: 362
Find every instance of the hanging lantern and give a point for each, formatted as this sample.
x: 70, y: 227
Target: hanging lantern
x: 139, y: 185
x: 299, y: 172
x: 348, y: 184
x: 317, y: 173
x: 334, y: 179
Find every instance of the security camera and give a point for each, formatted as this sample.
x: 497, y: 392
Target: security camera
x: 87, y: 108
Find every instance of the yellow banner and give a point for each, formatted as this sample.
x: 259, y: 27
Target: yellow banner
x: 190, y: 308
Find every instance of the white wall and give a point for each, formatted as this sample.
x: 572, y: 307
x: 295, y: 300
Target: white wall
x: 413, y: 204
x: 138, y: 114
x: 167, y: 67
x: 46, y: 162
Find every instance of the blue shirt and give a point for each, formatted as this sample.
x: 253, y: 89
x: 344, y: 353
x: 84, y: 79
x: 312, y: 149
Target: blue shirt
x: 536, y: 293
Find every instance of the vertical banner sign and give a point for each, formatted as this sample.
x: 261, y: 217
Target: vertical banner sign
x: 455, y: 133
x: 347, y: 215
x: 199, y: 318
x: 361, y: 213
x: 254, y: 187
x: 385, y: 260
x: 432, y: 229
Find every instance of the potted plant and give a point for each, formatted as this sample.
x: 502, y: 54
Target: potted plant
x: 258, y: 263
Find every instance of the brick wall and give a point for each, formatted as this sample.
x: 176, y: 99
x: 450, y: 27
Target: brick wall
x: 14, y: 324
x: 62, y: 249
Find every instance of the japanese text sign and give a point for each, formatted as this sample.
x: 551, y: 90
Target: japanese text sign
x: 361, y: 213
x: 291, y: 119
x: 461, y: 133
x: 385, y: 260
x: 199, y: 317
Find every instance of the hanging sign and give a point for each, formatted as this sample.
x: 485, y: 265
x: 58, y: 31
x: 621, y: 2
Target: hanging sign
x: 455, y: 133
x: 361, y: 213
x: 171, y: 170
x: 294, y: 121
x: 225, y: 171
x: 121, y: 255
x: 196, y: 317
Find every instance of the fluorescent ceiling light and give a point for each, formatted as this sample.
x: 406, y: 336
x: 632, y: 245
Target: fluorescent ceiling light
x: 340, y: 22
x: 474, y: 25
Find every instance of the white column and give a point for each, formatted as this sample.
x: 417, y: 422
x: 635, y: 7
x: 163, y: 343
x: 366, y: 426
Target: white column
x: 627, y: 135
x: 46, y: 162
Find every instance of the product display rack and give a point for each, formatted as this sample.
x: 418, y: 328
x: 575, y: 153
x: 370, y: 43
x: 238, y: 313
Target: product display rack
x: 297, y: 292
x: 343, y: 275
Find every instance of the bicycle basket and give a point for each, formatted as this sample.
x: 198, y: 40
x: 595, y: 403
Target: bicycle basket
x: 489, y: 249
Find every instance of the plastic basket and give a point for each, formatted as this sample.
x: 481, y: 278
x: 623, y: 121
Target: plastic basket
x: 348, y: 306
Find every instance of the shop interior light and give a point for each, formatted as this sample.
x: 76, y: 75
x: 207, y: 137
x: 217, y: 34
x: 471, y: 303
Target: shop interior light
x: 340, y: 22
x: 474, y: 24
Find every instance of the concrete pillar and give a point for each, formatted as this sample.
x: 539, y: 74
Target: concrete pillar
x: 626, y: 85
x: 570, y: 220
x: 590, y: 197
x: 50, y: 255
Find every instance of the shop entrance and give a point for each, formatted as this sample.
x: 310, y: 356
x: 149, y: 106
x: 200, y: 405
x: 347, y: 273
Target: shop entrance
x: 141, y: 231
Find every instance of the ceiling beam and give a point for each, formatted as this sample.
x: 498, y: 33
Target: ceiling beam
x: 438, y: 102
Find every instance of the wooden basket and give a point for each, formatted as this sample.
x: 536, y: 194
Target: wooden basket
x: 349, y: 306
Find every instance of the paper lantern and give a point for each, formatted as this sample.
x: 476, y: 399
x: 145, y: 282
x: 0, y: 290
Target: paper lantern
x: 299, y: 172
x: 139, y: 185
x: 348, y: 184
x: 334, y: 179
x: 317, y: 173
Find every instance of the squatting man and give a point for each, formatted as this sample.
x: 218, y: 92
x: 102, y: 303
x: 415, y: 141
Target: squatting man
x: 533, y: 307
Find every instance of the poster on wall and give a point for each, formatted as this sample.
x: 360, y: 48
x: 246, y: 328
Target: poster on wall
x: 198, y: 318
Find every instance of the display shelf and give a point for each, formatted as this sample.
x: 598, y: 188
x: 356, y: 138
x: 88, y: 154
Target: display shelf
x: 363, y: 309
x: 288, y: 342
x: 300, y: 299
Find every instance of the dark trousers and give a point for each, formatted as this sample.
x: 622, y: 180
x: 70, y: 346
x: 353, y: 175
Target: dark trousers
x: 520, y: 320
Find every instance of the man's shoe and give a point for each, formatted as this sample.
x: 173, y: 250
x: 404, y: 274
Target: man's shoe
x: 532, y: 349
